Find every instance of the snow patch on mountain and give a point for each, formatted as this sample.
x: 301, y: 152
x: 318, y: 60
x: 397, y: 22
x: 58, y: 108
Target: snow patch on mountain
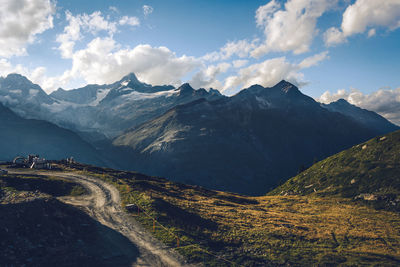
x: 60, y: 106
x: 134, y: 96
x: 171, y: 136
x: 101, y: 94
x: 263, y: 103
x: 8, y: 100
x: 33, y: 92
x: 125, y: 83
x: 126, y: 89
x: 18, y: 91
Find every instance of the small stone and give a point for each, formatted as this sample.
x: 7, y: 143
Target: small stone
x: 370, y: 197
x: 364, y: 147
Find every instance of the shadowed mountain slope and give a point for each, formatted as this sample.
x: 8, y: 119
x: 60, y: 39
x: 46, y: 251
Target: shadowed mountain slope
x: 20, y: 136
x: 246, y: 143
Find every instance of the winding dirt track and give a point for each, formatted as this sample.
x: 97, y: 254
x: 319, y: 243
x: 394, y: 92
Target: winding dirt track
x: 104, y: 205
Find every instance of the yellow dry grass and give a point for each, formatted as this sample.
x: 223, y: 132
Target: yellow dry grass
x: 267, y: 230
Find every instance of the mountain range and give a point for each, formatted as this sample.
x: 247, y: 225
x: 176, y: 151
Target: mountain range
x: 245, y: 143
x: 106, y: 109
x: 19, y: 136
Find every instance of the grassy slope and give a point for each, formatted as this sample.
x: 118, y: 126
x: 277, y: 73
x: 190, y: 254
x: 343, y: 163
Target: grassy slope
x: 259, y: 231
x: 369, y: 171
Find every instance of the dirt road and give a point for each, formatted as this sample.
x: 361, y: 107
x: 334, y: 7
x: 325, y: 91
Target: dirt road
x: 104, y: 205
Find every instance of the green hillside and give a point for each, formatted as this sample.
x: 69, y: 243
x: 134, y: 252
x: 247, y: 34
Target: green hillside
x: 369, y: 171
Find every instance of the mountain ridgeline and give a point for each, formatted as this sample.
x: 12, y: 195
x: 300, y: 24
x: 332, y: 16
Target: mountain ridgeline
x: 247, y: 143
x: 366, y: 117
x: 112, y: 108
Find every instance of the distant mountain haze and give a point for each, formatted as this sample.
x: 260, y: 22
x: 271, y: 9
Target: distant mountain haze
x: 21, y: 137
x: 246, y: 143
x: 366, y: 117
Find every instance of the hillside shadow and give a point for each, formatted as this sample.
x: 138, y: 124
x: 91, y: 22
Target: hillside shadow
x: 54, y: 187
x: 47, y: 232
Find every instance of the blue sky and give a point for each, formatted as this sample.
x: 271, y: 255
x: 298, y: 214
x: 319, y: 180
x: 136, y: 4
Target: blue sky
x: 321, y: 45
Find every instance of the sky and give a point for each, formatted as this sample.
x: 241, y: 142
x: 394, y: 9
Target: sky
x: 330, y: 49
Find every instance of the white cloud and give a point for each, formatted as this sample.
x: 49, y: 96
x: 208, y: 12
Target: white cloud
x: 313, y: 60
x: 241, y: 49
x: 113, y: 9
x: 147, y: 10
x: 5, y: 67
x: 48, y: 84
x: 271, y: 71
x: 266, y: 12
x: 207, y: 77
x: 364, y: 14
x: 386, y: 102
x: 290, y: 29
x: 72, y: 32
x: 92, y: 23
x: 102, y: 61
x: 371, y: 33
x: 334, y: 36
x: 240, y: 63
x: 132, y: 21
x: 21, y: 21
x: 95, y: 22
x: 267, y: 73
x: 36, y: 75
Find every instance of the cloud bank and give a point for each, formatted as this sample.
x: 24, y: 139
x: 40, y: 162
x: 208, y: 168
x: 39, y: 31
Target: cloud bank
x: 386, y: 102
x: 272, y: 71
x: 20, y: 22
x: 292, y: 28
x: 364, y: 14
x: 103, y: 61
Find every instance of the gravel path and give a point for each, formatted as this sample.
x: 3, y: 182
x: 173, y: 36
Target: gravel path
x: 104, y: 205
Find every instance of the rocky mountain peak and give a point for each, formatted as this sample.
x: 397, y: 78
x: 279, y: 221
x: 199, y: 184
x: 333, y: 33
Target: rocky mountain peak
x: 17, y: 80
x: 287, y: 87
x: 131, y: 78
x: 341, y: 101
x: 185, y: 89
x: 214, y: 91
x: 20, y: 86
x: 16, y: 76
